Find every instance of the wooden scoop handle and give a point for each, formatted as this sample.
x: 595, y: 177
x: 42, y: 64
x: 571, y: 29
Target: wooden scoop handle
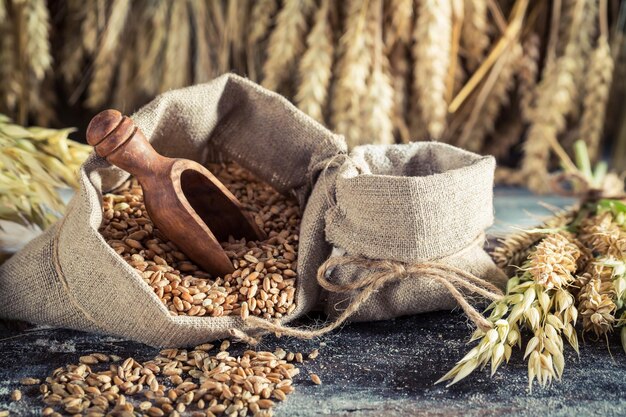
x: 117, y: 138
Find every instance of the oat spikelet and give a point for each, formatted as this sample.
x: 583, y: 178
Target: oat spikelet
x: 527, y: 74
x: 514, y: 249
x: 483, y: 119
x: 353, y: 68
x: 475, y: 32
x: 38, y: 45
x: 315, y: 68
x: 176, y: 55
x: 400, y: 22
x: 432, y: 35
x: 106, y: 57
x: 286, y: 42
x: 378, y: 107
x: 598, y: 83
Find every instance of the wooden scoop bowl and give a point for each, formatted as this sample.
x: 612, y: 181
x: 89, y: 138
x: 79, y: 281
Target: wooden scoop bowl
x: 187, y: 203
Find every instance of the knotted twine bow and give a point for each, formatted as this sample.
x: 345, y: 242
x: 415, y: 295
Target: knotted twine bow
x: 384, y: 272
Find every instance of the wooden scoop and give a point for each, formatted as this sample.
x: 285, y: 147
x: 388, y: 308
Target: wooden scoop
x: 185, y: 201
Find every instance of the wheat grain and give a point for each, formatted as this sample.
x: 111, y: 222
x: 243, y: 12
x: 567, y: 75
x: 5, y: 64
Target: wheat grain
x: 399, y: 22
x: 378, y: 108
x: 263, y: 283
x: 105, y: 63
x: 432, y: 35
x: 286, y: 42
x: 176, y: 54
x: 475, y: 32
x: 353, y: 68
x: 598, y: 82
x: 315, y: 68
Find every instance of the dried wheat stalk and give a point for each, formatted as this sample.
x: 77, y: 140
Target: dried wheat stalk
x: 315, y: 68
x: 73, y: 53
x: 378, y: 107
x: 106, y: 56
x: 475, y: 32
x: 286, y: 42
x: 9, y: 87
x: 353, y: 68
x: 432, y: 34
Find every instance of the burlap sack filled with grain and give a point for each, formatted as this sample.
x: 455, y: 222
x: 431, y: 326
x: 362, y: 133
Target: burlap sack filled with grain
x: 70, y: 277
x: 423, y: 207
x: 402, y: 203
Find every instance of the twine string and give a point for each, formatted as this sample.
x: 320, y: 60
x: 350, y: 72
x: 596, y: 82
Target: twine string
x: 386, y: 271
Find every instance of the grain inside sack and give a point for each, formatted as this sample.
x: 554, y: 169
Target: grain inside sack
x: 263, y: 283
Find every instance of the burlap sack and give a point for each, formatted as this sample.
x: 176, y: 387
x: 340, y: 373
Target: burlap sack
x: 70, y: 277
x: 415, y: 203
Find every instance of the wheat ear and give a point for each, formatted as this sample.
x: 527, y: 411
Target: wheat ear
x: 527, y: 74
x: 176, y: 55
x: 475, y: 32
x: 378, y: 108
x: 261, y: 18
x: 106, y: 59
x: 315, y: 68
x: 353, y: 68
x: 492, y: 97
x: 432, y: 34
x: 38, y: 45
x: 286, y: 42
x: 399, y: 22
x: 598, y: 78
x: 150, y: 67
x: 9, y: 87
x: 72, y: 52
x: 400, y: 74
x: 203, y: 65
x: 553, y: 103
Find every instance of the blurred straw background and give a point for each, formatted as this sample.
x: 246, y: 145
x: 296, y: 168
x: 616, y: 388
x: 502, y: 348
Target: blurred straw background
x: 522, y: 79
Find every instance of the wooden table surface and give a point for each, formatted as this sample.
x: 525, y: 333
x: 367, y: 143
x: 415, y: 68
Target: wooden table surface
x: 372, y: 369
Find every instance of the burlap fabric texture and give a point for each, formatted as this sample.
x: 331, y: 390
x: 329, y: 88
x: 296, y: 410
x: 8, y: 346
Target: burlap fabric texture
x: 407, y: 203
